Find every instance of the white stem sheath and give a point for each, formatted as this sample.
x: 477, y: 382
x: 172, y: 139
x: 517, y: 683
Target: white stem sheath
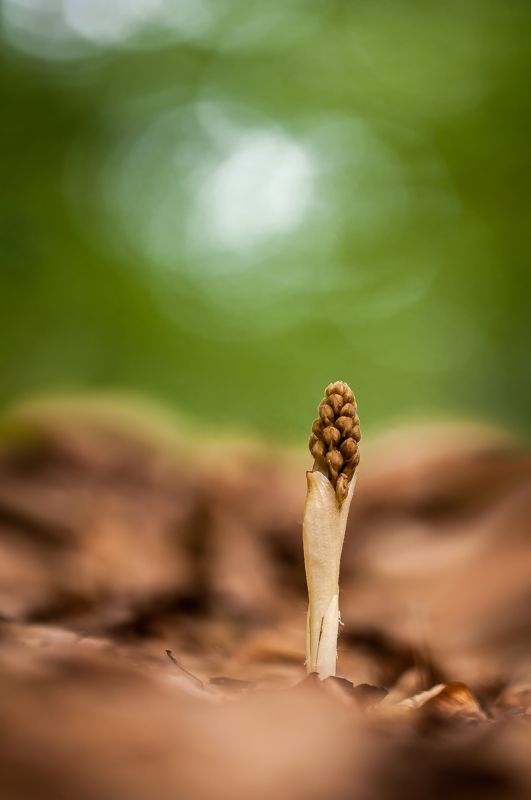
x: 323, y: 534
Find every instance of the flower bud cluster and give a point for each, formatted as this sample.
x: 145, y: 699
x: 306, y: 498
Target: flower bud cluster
x: 335, y: 437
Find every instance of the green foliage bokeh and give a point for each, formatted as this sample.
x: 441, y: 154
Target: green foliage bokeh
x: 147, y: 243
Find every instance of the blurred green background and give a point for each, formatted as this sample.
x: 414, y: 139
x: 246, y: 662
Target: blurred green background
x: 227, y: 204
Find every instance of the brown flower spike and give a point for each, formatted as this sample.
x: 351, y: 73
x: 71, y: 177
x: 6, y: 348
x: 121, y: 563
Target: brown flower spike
x: 334, y: 446
x: 335, y: 437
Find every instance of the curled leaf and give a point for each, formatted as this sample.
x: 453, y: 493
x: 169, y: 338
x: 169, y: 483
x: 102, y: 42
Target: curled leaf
x: 446, y: 700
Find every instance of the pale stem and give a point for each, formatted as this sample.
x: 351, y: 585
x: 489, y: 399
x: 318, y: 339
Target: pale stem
x: 323, y: 534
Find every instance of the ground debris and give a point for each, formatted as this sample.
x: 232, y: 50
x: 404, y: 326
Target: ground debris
x: 152, y: 620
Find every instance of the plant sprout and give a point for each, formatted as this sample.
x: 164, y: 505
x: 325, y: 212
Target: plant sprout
x: 334, y: 446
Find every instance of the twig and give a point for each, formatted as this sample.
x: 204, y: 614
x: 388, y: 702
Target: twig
x: 180, y: 666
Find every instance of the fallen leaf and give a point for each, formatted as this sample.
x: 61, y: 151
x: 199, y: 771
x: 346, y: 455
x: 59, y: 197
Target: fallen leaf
x: 446, y: 700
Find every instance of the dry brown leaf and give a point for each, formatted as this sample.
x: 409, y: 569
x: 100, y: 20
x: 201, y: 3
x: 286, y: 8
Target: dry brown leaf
x: 446, y: 700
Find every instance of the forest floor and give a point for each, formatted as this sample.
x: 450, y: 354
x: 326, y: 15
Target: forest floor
x: 122, y: 539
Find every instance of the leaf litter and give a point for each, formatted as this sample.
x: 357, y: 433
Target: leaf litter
x: 117, y: 550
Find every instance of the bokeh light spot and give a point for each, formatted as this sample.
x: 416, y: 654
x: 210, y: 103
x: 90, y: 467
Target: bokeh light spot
x: 259, y: 190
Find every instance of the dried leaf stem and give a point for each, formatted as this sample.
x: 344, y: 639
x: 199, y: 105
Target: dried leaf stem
x: 334, y: 446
